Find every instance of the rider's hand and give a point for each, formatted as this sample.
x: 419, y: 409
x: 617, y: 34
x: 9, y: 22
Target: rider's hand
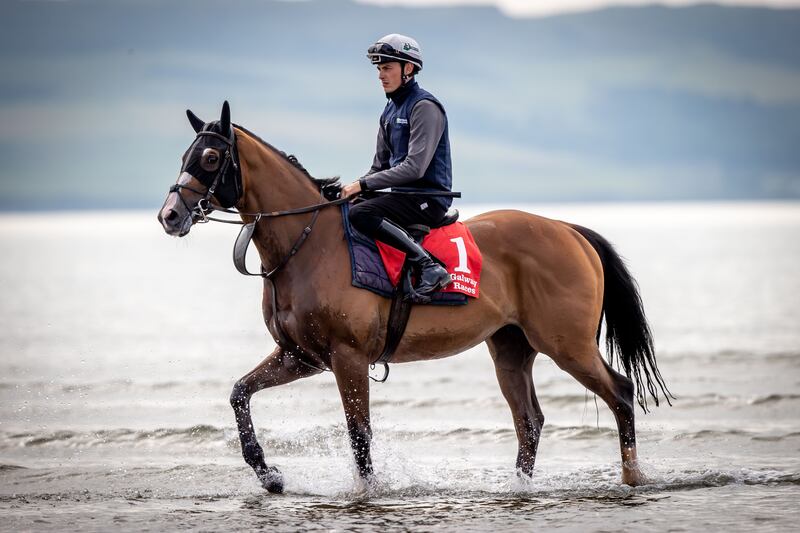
x: 351, y: 189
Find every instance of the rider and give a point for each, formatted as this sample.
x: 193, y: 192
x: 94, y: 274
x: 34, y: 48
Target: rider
x: 413, y: 154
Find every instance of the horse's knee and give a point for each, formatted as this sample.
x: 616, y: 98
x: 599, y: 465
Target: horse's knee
x: 533, y: 424
x: 538, y: 423
x: 240, y: 394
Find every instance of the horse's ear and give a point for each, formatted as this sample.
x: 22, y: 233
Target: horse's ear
x: 196, y: 123
x: 225, y: 119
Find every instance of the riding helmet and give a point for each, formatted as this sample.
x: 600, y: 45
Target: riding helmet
x: 396, y: 47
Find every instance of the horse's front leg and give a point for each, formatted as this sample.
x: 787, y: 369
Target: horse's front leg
x: 352, y: 378
x: 277, y: 368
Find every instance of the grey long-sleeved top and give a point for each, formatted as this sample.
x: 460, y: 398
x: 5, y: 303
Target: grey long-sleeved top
x: 427, y: 126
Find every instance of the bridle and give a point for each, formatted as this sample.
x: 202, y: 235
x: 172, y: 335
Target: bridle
x: 200, y: 212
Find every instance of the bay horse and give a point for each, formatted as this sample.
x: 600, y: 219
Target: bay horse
x: 546, y: 286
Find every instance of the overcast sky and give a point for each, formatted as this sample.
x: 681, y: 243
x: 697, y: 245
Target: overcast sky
x: 642, y: 106
x: 548, y: 7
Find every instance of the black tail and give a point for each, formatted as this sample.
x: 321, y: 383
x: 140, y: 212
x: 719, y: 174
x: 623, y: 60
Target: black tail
x: 627, y: 331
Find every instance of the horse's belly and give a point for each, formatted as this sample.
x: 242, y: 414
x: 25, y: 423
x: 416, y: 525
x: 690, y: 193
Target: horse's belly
x: 437, y: 332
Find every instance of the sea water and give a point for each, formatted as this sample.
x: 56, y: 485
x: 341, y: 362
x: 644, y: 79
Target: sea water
x: 119, y: 347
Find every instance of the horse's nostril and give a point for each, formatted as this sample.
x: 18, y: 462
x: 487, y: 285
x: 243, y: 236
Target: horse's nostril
x: 171, y: 215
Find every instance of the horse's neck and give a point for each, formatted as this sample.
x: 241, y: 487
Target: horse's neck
x: 271, y: 183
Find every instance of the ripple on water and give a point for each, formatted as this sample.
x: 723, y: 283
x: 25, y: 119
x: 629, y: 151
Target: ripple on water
x: 337, y: 483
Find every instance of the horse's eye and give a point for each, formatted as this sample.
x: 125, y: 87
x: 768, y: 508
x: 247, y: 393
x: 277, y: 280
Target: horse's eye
x: 209, y: 160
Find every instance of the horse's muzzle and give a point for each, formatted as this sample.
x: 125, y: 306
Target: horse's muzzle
x: 174, y: 218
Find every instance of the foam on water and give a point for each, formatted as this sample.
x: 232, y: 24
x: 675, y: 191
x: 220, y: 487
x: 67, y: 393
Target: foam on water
x: 338, y: 481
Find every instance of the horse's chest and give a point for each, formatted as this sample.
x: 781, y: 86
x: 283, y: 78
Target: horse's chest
x: 302, y: 329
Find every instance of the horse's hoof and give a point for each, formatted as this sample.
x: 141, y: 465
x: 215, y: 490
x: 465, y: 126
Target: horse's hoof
x: 525, y: 474
x: 272, y: 480
x: 633, y: 476
x: 365, y: 485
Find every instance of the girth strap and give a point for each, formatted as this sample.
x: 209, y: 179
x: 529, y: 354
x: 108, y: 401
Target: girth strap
x: 399, y: 313
x: 400, y: 309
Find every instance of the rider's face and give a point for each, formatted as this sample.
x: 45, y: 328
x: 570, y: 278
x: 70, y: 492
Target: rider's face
x: 389, y: 74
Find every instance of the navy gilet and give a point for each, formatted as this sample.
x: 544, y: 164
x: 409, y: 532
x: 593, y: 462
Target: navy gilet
x: 395, y: 121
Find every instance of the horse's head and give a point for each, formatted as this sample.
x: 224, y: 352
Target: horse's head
x: 210, y: 171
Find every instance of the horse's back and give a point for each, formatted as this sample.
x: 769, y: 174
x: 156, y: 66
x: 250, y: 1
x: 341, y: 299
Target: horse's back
x: 513, y: 233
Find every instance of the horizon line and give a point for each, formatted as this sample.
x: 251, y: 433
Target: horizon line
x: 527, y: 9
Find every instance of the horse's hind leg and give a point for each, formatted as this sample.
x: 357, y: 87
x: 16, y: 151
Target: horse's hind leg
x: 513, y: 362
x: 277, y: 368
x: 590, y: 369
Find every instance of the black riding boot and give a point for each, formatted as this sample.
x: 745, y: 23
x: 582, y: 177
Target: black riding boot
x: 432, y: 276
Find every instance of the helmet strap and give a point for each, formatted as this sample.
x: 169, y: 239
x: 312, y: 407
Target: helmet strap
x: 403, y: 76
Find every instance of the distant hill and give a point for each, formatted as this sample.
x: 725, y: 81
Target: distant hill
x: 643, y: 103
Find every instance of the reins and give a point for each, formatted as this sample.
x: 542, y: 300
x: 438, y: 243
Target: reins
x: 298, y: 211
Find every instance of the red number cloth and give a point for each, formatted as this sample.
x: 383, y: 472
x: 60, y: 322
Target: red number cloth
x: 453, y: 245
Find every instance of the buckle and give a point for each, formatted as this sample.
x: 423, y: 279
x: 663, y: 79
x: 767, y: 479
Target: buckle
x: 203, y: 210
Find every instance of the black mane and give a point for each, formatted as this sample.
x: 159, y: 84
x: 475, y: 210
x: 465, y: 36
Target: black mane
x: 320, y: 183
